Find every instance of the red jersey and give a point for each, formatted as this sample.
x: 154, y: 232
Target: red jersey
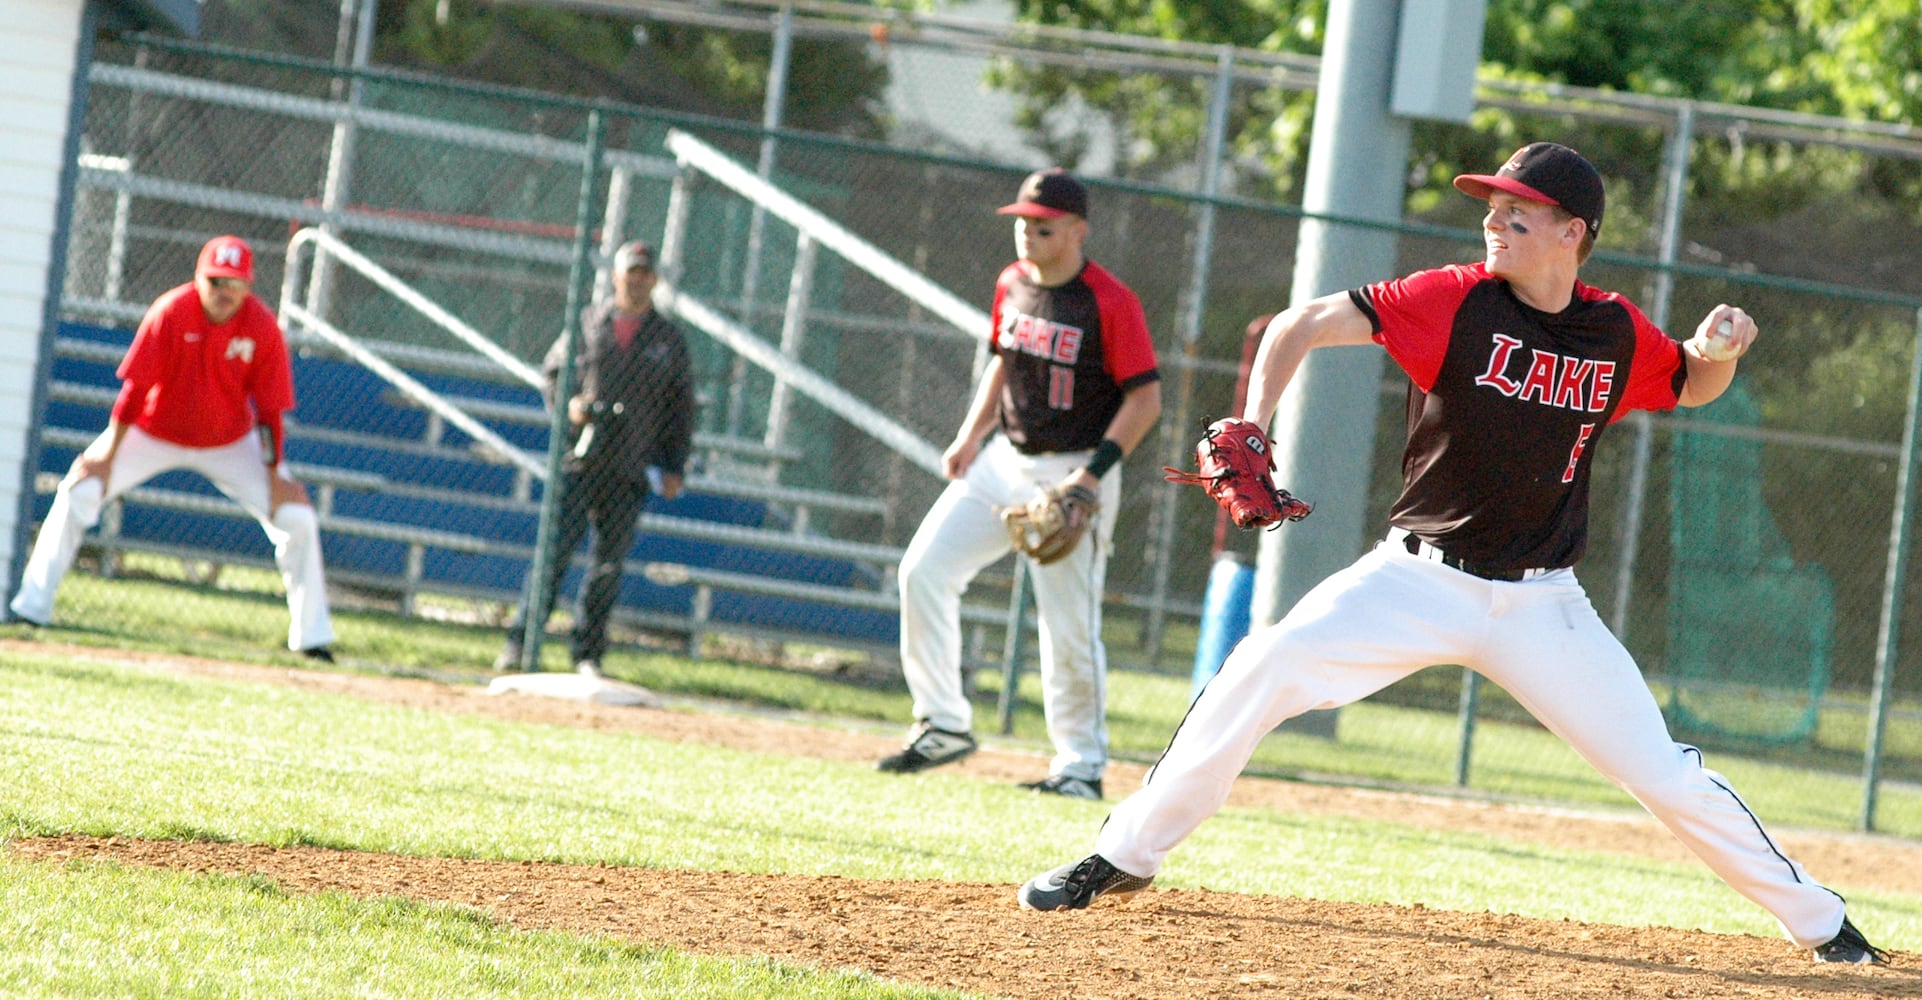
x: 1070, y: 354
x: 1506, y: 404
x: 196, y: 384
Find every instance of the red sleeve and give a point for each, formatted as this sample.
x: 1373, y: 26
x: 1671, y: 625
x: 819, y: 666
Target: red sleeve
x: 1008, y: 275
x: 1127, y: 349
x: 1414, y: 316
x: 126, y: 406
x: 146, y: 359
x: 1657, y: 374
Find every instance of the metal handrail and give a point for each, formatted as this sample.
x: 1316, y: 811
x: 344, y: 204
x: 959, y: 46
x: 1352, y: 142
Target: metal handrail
x: 293, y: 311
x: 693, y: 153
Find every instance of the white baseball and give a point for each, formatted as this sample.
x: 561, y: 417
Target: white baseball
x: 1720, y: 345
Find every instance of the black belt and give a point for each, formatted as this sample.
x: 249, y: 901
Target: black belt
x: 1417, y: 547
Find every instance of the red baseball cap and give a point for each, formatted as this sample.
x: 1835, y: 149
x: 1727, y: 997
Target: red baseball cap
x: 1049, y: 194
x: 1548, y: 172
x: 226, y: 257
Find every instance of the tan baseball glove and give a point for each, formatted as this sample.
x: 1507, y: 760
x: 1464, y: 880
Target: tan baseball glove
x: 1048, y: 527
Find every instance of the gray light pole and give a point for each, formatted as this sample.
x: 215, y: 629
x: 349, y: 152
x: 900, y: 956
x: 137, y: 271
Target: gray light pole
x: 1324, y: 427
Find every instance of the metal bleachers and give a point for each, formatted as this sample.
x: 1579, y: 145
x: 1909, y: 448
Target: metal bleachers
x: 409, y: 507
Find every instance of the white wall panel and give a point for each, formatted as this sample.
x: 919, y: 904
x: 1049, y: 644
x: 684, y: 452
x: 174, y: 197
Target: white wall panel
x: 39, y: 48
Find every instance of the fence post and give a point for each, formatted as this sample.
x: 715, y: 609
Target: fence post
x: 1465, y: 742
x: 613, y: 228
x: 1193, y: 313
x: 1013, y: 649
x: 540, y: 597
x: 674, y: 231
x: 340, y: 154
x: 757, y: 223
x: 1675, y: 181
x: 1891, y: 625
x: 793, y: 330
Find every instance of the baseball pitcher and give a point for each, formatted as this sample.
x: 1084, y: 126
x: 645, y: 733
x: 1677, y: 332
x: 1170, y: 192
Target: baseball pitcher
x: 1516, y: 370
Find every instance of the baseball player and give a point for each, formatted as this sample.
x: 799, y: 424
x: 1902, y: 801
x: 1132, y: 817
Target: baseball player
x: 1515, y: 370
x: 1072, y: 387
x: 204, y: 386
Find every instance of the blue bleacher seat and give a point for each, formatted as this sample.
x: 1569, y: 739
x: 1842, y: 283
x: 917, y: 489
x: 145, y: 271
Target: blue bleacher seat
x: 450, y: 471
x: 342, y: 396
x: 117, y: 336
x: 770, y: 611
x: 212, y: 532
x: 359, y: 554
x: 84, y: 371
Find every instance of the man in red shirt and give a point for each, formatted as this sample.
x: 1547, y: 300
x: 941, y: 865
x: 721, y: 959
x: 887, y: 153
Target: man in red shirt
x: 207, y: 368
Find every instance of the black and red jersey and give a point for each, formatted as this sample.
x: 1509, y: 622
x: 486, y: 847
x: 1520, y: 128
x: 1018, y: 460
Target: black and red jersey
x: 1506, y: 404
x: 1070, y: 352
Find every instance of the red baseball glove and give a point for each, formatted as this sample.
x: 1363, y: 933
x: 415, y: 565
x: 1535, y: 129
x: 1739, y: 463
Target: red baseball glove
x: 1236, y: 464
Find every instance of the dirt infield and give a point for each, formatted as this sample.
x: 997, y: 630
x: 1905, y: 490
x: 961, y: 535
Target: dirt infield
x: 1165, y: 943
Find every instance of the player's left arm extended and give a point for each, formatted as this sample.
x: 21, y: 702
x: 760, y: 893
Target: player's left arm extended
x: 1708, y: 378
x: 1140, y: 408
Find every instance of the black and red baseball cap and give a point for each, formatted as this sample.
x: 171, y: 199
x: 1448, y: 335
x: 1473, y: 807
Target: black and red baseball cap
x: 1545, y: 171
x: 226, y: 257
x: 1049, y: 194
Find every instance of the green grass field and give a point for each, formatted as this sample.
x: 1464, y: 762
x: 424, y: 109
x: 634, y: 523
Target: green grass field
x: 110, y: 750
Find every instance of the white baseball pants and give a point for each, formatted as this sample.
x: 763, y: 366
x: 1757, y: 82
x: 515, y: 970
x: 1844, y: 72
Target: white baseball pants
x: 961, y: 536
x: 237, y: 470
x: 1391, y: 614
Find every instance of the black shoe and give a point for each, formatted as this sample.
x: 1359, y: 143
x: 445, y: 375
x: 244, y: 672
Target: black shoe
x: 1061, y: 784
x: 321, y: 653
x: 1073, y: 887
x: 8, y: 616
x: 1849, y: 947
x: 927, y: 747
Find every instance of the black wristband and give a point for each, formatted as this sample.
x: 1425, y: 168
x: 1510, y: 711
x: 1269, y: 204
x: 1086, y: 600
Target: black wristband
x: 1106, y: 454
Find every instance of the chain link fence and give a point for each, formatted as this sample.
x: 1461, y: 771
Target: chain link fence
x: 1780, y: 502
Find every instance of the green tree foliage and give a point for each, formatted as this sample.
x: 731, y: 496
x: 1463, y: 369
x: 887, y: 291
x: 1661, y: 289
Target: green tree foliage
x: 834, y: 86
x: 1853, y: 58
x: 1156, y: 121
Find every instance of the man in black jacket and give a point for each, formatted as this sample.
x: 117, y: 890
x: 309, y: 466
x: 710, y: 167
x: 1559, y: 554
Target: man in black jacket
x: 633, y: 416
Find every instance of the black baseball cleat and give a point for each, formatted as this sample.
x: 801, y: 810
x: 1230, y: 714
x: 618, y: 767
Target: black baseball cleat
x: 927, y: 747
x: 1849, y: 947
x: 1073, y: 887
x: 1061, y: 784
x: 8, y: 616
x: 318, y: 653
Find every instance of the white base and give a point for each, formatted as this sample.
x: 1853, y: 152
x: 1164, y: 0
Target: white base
x: 575, y: 687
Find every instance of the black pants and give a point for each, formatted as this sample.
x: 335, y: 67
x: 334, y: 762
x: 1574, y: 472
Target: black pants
x: 610, y: 504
